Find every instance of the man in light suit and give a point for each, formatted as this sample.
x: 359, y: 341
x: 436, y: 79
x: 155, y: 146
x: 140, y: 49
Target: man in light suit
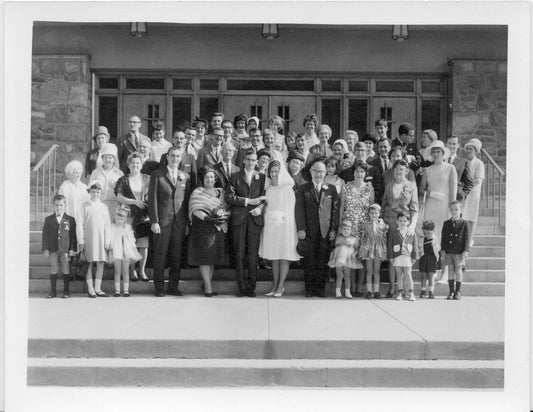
x: 317, y: 218
x: 246, y: 193
x: 130, y: 142
x: 464, y: 178
x: 168, y: 200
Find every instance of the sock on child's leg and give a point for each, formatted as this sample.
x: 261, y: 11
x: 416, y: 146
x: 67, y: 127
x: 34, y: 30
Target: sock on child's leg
x: 376, y: 287
x: 66, y: 282
x: 338, y: 292
x: 347, y: 293
x: 117, y: 287
x: 90, y: 287
x: 369, y: 287
x: 458, y: 286
x: 53, y: 284
x: 126, y: 286
x: 432, y: 288
x: 98, y: 285
x: 451, y: 286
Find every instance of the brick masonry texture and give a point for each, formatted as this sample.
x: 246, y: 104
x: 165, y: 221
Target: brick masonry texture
x: 479, y: 104
x: 61, y: 107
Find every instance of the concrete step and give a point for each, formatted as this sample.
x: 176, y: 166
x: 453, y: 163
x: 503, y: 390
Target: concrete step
x: 489, y: 240
x: 264, y: 349
x: 262, y: 372
x: 229, y: 287
x: 487, y: 221
x: 485, y: 263
x: 488, y: 251
x: 489, y: 230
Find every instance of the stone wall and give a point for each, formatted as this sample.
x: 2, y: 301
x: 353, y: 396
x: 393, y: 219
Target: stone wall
x: 479, y: 104
x: 61, y: 107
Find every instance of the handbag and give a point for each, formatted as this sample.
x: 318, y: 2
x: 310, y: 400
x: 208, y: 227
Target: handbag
x: 79, y: 266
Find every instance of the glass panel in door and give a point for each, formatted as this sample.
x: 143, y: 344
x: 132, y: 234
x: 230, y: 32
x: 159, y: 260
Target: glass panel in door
x: 249, y: 105
x: 148, y: 107
x: 395, y: 110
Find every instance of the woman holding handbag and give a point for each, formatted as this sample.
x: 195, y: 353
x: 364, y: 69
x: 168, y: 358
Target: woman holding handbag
x: 132, y: 191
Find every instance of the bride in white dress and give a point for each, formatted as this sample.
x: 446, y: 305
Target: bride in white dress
x: 278, y: 239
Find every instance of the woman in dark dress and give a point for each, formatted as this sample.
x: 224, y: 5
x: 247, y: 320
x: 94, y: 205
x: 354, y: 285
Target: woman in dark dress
x: 209, y: 225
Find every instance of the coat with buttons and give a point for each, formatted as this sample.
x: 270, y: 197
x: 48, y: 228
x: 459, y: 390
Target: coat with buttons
x: 59, y: 237
x: 455, y: 236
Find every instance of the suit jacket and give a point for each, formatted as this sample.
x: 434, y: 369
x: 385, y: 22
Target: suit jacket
x: 59, y: 237
x: 372, y: 175
x: 298, y: 179
x: 238, y: 190
x: 187, y: 165
x: 455, y: 238
x: 223, y: 178
x: 168, y: 203
x: 126, y: 146
x: 205, y: 157
x: 464, y: 178
x: 406, y: 203
x: 395, y: 241
x: 317, y: 213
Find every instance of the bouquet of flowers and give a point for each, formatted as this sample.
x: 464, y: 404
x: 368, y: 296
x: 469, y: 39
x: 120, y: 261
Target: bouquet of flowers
x: 218, y: 215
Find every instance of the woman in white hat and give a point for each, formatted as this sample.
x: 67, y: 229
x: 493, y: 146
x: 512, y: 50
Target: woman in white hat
x: 477, y: 170
x: 439, y: 184
x: 108, y: 174
x: 93, y: 160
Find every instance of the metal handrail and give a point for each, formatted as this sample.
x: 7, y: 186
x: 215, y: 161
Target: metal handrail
x: 45, y: 180
x: 493, y: 186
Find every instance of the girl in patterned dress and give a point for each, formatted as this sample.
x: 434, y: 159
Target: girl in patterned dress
x: 373, y: 249
x: 358, y: 195
x: 344, y: 258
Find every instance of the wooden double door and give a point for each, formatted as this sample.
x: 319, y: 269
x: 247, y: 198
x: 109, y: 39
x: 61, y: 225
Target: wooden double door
x: 292, y: 109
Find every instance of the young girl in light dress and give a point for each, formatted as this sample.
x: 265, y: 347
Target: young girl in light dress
x: 122, y: 250
x: 344, y: 258
x: 373, y: 249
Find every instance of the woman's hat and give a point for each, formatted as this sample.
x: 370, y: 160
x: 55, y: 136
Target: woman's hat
x: 101, y: 130
x: 253, y: 118
x: 343, y: 143
x: 475, y: 143
x: 439, y: 144
x: 304, y: 247
x: 264, y: 152
x: 109, y: 149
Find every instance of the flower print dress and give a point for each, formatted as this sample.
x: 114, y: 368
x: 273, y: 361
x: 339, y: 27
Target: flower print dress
x: 356, y: 202
x: 374, y: 240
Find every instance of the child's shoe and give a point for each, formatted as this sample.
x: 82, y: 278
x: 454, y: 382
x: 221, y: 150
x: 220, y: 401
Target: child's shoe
x: 423, y: 294
x: 347, y: 294
x: 338, y: 294
x: 116, y: 294
x: 399, y: 296
x: 411, y: 297
x: 456, y: 296
x: 358, y: 294
x: 431, y: 295
x: 377, y: 295
x: 449, y: 297
x: 368, y: 295
x: 389, y: 294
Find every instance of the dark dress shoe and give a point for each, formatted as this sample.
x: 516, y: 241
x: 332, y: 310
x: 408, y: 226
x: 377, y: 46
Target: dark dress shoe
x: 251, y: 294
x: 66, y: 296
x: 308, y: 295
x: 208, y: 295
x: 159, y: 294
x: 52, y: 295
x: 240, y: 294
x: 91, y: 295
x: 102, y: 294
x: 358, y: 294
x: 320, y: 294
x: 175, y: 292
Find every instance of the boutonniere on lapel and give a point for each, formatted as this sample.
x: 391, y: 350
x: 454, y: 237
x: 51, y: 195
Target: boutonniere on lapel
x: 324, y: 187
x: 256, y: 177
x: 181, y: 176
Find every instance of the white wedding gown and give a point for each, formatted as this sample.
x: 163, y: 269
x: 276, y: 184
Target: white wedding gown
x: 279, y: 239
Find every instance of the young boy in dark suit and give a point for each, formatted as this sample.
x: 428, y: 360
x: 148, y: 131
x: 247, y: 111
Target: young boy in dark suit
x: 59, y: 242
x: 455, y: 247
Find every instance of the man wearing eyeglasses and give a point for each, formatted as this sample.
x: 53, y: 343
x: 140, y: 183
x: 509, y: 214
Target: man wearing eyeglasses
x: 130, y: 142
x: 317, y: 219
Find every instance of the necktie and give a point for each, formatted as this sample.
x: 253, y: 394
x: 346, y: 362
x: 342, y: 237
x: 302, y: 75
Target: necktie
x: 136, y: 140
x: 174, y: 177
x: 228, y: 170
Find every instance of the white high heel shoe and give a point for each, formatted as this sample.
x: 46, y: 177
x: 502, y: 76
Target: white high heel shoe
x: 271, y: 293
x: 279, y: 294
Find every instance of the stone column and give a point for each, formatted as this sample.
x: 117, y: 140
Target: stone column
x: 479, y: 104
x: 61, y: 107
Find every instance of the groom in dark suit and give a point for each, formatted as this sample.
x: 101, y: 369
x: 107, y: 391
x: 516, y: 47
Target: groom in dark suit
x: 246, y: 193
x: 317, y: 218
x: 464, y: 177
x: 168, y: 200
